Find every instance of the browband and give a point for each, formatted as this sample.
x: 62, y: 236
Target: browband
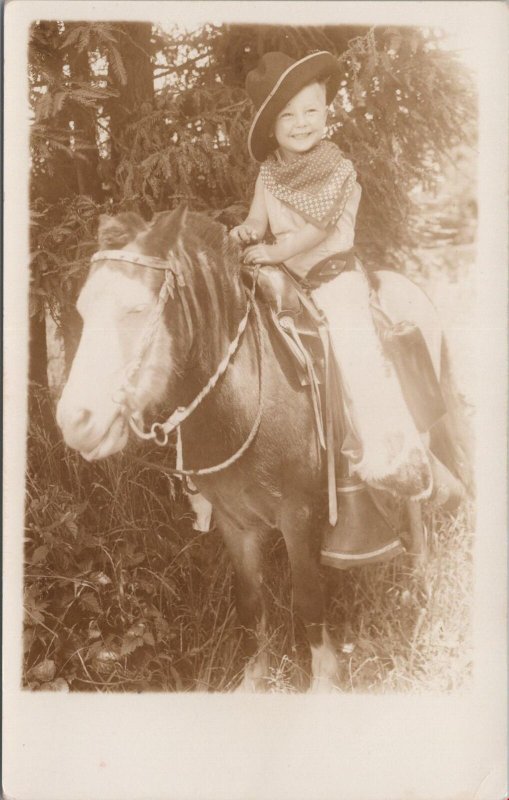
x: 152, y: 262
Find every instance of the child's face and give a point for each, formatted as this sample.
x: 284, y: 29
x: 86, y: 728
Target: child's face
x: 301, y: 123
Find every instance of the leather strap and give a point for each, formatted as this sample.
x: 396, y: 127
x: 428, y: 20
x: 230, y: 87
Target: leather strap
x: 288, y: 325
x: 329, y: 268
x: 140, y: 259
x: 329, y: 427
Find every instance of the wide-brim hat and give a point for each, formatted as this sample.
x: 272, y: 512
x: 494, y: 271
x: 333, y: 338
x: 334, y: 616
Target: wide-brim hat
x: 277, y: 78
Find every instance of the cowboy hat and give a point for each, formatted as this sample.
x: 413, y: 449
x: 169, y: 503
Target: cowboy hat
x: 274, y: 82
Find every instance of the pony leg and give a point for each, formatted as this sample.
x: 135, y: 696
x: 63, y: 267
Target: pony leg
x: 302, y: 545
x: 417, y: 537
x: 256, y: 669
x: 245, y: 549
x: 324, y: 664
x: 448, y: 491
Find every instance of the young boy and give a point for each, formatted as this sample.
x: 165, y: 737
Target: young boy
x: 307, y: 193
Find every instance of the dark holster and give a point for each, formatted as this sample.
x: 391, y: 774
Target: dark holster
x: 406, y: 348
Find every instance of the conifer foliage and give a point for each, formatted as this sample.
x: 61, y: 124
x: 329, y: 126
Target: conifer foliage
x: 128, y: 117
x: 120, y: 592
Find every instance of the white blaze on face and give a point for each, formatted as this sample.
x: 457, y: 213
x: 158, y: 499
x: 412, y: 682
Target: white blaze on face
x: 115, y: 309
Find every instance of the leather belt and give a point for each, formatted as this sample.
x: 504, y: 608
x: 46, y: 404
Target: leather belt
x: 329, y: 268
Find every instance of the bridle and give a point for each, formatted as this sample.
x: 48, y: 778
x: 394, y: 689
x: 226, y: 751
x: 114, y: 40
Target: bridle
x: 173, y: 284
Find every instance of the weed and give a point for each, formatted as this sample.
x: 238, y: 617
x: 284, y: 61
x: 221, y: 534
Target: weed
x: 121, y: 594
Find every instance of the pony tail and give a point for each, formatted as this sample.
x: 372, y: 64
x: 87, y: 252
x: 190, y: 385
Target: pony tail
x: 451, y: 438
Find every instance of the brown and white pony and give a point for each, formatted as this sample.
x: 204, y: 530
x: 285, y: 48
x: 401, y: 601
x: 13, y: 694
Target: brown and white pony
x: 152, y: 338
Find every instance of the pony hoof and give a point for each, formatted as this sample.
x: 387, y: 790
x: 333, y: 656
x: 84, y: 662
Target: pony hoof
x: 254, y: 678
x: 250, y: 686
x: 447, y: 500
x: 322, y: 685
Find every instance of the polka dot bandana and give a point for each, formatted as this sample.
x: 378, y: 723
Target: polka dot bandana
x: 317, y: 184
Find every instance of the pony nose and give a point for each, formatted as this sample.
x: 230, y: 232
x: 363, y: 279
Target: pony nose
x: 82, y: 416
x: 79, y: 421
x: 75, y: 422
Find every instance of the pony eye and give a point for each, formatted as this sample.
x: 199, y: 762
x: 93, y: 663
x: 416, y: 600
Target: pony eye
x: 138, y: 309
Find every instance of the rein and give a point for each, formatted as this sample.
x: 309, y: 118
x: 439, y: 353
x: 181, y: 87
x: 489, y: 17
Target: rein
x: 160, y: 432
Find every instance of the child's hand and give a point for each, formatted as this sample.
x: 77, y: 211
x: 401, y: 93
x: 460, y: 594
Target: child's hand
x: 244, y: 234
x: 260, y: 254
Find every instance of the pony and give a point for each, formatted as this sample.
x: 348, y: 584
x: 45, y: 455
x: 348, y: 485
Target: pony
x: 169, y: 326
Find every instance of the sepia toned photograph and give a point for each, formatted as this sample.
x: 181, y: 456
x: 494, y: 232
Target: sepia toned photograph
x: 252, y: 366
x: 210, y: 270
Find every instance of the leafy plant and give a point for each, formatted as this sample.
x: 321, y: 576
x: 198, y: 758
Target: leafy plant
x: 127, y: 117
x: 120, y: 592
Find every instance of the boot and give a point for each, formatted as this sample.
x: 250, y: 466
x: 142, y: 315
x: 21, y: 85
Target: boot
x: 361, y: 534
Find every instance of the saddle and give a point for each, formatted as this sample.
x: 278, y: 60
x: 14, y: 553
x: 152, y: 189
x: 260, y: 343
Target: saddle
x: 301, y: 326
x: 302, y: 329
x: 297, y: 323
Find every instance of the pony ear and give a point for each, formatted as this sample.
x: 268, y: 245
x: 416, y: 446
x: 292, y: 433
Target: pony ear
x: 165, y: 231
x: 120, y: 230
x: 179, y: 218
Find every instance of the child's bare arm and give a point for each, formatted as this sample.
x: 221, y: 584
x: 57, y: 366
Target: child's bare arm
x: 255, y: 225
x: 300, y: 242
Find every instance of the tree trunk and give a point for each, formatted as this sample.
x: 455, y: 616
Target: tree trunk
x: 40, y: 407
x: 88, y: 181
x: 135, y: 92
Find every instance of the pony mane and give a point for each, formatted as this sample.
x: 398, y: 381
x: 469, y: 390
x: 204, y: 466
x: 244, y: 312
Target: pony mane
x: 210, y: 236
x: 210, y: 262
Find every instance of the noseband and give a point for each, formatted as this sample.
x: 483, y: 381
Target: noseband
x: 173, y: 282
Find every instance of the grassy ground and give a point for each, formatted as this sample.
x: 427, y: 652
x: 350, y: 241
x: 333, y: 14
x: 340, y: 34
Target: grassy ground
x: 122, y: 595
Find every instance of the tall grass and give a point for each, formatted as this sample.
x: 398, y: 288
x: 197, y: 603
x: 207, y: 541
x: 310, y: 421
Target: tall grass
x: 121, y: 594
